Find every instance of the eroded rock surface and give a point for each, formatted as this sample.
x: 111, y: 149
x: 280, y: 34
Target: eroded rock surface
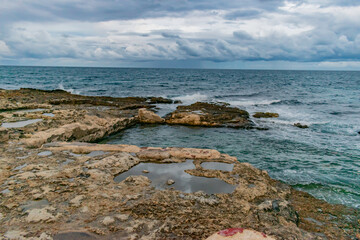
x: 72, y: 192
x: 210, y: 115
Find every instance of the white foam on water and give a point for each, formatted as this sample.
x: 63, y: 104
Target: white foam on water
x: 192, y: 98
x: 70, y: 90
x: 240, y: 103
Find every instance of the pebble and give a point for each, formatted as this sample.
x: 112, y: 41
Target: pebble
x: 170, y: 182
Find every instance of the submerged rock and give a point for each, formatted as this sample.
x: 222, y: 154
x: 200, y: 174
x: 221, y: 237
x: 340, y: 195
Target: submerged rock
x: 299, y: 125
x: 210, y: 115
x: 265, y: 115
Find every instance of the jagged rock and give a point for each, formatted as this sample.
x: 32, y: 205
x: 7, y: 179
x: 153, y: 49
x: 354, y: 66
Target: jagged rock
x: 265, y: 115
x: 39, y: 215
x: 146, y: 116
x: 210, y: 115
x: 299, y: 125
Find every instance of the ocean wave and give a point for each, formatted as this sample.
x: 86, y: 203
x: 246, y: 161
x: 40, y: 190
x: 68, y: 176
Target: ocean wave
x: 70, y: 90
x: 192, y: 98
x: 252, y: 102
x: 287, y: 102
x: 239, y: 95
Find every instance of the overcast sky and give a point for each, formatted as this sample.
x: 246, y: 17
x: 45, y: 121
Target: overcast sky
x: 261, y: 34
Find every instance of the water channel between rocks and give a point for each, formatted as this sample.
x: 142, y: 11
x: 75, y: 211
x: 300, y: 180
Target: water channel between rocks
x: 159, y: 174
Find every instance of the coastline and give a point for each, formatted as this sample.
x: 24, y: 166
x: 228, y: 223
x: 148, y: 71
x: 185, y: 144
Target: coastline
x: 82, y: 195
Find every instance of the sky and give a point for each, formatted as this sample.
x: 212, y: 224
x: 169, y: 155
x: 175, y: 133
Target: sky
x: 240, y: 34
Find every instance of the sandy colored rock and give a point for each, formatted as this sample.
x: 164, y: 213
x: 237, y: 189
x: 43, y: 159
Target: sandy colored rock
x: 76, y: 202
x: 210, y: 115
x: 108, y: 220
x: 39, y: 215
x: 146, y: 116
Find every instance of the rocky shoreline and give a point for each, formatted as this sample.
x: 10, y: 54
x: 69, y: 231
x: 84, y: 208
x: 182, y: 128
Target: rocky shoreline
x: 57, y: 182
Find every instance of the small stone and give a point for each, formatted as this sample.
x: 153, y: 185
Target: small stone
x: 145, y: 171
x: 170, y: 182
x: 108, y: 220
x: 266, y: 205
x: 39, y: 215
x: 122, y: 217
x: 37, y: 196
x: 84, y: 209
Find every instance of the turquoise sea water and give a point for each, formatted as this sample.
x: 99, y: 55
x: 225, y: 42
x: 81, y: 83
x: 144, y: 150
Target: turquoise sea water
x: 323, y: 160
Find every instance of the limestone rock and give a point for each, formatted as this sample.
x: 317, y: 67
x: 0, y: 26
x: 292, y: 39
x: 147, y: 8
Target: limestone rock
x: 108, y: 220
x: 122, y: 217
x: 146, y: 116
x: 210, y: 115
x: 39, y: 215
x: 76, y: 202
x: 265, y: 115
x: 4, y: 134
x: 239, y: 234
x: 138, y: 181
x: 170, y: 182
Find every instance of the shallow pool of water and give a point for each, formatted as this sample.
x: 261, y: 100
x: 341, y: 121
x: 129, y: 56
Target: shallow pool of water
x: 217, y: 166
x: 20, y: 124
x: 159, y: 174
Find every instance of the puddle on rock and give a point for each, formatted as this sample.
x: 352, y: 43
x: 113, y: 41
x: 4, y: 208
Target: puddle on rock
x: 20, y: 124
x: 45, y: 153
x: 96, y: 153
x: 30, y: 110
x: 34, y: 204
x: 20, y: 167
x: 160, y: 173
x: 48, y: 114
x: 218, y: 166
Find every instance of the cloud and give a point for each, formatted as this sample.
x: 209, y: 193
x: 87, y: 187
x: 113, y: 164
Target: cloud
x: 181, y: 30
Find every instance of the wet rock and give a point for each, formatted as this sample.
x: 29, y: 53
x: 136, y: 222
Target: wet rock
x: 108, y: 220
x: 265, y: 115
x: 156, y: 100
x: 146, y: 116
x: 210, y: 115
x: 145, y: 171
x: 299, y: 125
x: 140, y: 181
x: 170, y: 182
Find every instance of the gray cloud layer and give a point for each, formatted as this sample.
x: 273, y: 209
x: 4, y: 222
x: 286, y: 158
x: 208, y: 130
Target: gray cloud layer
x: 177, y: 30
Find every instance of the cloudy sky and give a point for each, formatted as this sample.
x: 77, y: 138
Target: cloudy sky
x: 261, y: 34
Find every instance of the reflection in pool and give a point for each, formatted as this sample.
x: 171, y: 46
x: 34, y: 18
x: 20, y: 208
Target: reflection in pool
x: 159, y: 174
x: 20, y: 123
x: 218, y: 166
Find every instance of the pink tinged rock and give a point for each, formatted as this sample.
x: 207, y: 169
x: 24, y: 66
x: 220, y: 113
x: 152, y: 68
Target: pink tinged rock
x: 239, y: 234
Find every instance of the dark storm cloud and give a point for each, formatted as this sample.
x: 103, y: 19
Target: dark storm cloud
x: 180, y: 30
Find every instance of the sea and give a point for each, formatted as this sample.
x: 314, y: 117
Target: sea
x: 323, y: 160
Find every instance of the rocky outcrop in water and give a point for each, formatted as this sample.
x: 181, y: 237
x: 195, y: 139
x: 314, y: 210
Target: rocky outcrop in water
x: 210, y: 115
x: 265, y: 115
x: 146, y: 116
